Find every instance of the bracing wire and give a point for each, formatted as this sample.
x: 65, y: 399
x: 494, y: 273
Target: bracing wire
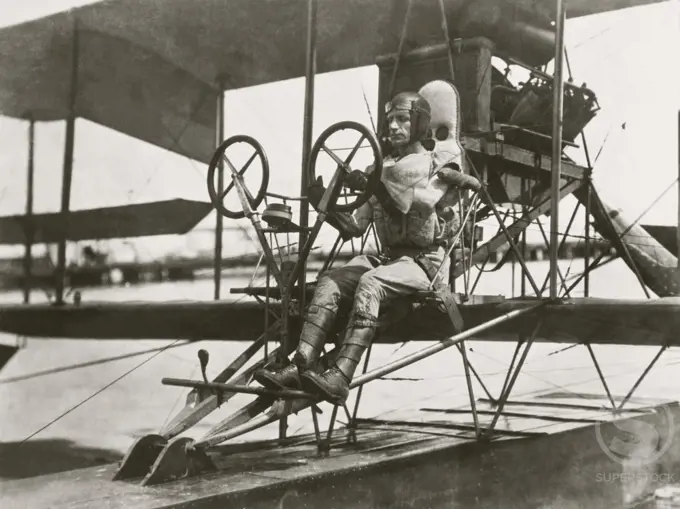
x: 81, y: 403
x: 651, y: 205
x: 81, y: 365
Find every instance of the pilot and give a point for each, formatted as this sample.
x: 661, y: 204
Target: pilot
x: 414, y: 231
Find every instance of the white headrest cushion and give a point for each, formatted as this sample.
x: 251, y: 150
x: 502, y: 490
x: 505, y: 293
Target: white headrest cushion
x: 445, y: 106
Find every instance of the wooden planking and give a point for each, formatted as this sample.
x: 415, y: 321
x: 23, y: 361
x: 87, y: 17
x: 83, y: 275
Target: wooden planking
x: 525, y: 158
x: 412, y: 462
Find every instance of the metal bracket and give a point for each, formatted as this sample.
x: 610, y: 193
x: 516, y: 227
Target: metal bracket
x: 446, y: 297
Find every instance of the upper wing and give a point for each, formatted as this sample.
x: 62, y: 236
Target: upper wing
x: 152, y: 70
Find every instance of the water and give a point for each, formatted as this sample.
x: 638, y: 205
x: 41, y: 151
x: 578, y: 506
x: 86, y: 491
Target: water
x: 132, y: 401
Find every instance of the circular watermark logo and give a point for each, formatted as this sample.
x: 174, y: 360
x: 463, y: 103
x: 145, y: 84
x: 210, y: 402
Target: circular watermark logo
x: 636, y: 439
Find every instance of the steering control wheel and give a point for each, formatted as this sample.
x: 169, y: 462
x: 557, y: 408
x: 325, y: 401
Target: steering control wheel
x: 343, y: 168
x: 216, y: 197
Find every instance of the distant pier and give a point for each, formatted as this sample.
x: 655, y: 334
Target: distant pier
x: 186, y: 269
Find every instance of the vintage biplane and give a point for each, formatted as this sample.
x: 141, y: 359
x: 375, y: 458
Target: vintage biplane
x: 175, y: 60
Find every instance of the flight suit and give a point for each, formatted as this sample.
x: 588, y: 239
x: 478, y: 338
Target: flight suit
x: 413, y: 235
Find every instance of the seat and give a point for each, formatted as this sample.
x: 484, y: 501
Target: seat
x: 445, y: 120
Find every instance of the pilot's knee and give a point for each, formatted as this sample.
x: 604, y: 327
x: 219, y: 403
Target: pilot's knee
x: 368, y: 279
x: 369, y: 284
x: 326, y: 290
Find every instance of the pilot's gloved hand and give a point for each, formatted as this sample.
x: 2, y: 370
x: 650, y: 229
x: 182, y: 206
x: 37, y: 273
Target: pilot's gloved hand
x: 315, y: 192
x: 341, y: 221
x: 357, y: 180
x: 458, y: 178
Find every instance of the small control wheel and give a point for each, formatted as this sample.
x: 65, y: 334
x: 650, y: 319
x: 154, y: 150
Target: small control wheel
x: 216, y: 197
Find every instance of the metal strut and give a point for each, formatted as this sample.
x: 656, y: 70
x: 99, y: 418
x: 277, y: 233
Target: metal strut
x: 400, y: 49
x: 521, y: 341
x: 182, y: 456
x: 323, y: 445
x: 505, y: 395
x: 508, y: 237
x: 474, y: 372
x: 148, y: 450
x: 588, y: 270
x: 599, y: 372
x: 556, y: 158
x: 642, y: 377
x: 471, y: 392
x: 559, y: 272
x: 353, y: 418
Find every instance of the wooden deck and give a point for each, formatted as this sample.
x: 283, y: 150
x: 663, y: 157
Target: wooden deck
x: 546, y: 454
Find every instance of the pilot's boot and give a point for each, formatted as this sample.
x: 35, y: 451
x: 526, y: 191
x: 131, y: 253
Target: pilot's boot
x: 318, y: 323
x: 333, y: 384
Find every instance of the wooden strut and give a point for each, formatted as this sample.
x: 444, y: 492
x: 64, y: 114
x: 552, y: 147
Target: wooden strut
x: 29, y: 228
x: 68, y: 170
x: 586, y: 249
x: 310, y: 72
x: 217, y: 262
x: 556, y: 158
x: 352, y: 420
x: 569, y: 225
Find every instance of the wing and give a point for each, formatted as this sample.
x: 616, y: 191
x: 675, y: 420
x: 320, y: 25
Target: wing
x: 586, y: 320
x: 159, y: 218
x: 152, y: 70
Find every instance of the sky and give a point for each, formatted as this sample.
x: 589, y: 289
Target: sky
x: 626, y: 57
